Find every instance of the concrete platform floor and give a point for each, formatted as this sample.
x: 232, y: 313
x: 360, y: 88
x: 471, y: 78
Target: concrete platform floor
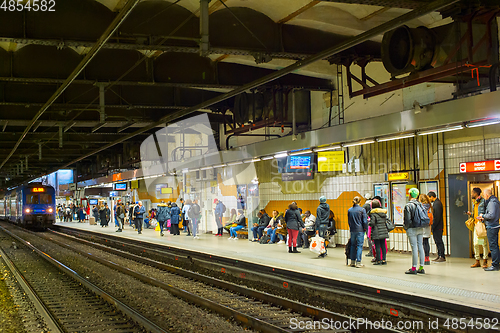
x: 452, y: 281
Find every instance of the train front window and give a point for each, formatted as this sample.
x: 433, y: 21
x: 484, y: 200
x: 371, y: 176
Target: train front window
x: 32, y: 199
x: 45, y: 199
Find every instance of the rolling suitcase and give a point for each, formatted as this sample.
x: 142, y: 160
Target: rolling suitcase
x: 92, y: 220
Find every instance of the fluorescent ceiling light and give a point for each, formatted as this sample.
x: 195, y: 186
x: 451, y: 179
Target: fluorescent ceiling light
x: 441, y: 130
x: 307, y: 151
x: 235, y: 163
x: 391, y: 138
x: 206, y: 168
x: 220, y: 165
x: 194, y: 169
x: 281, y: 154
x: 327, y: 148
x: 185, y: 170
x: 252, y: 160
x: 359, y: 143
x: 483, y: 123
x: 267, y: 158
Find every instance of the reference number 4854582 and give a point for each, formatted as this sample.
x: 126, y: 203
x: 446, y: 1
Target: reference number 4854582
x: 28, y: 5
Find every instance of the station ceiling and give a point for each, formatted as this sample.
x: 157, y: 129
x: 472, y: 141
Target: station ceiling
x: 151, y: 65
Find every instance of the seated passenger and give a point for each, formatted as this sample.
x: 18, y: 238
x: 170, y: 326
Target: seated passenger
x: 275, y: 221
x: 240, y: 224
x: 281, y: 231
x: 231, y: 221
x: 259, y: 227
x: 309, y: 222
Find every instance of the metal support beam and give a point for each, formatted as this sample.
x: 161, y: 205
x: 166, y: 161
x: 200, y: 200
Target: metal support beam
x: 102, y: 103
x: 26, y: 162
x: 38, y: 123
x: 5, y: 126
x: 69, y: 126
x: 124, y: 127
x: 119, y: 19
x: 351, y: 42
x: 40, y: 151
x: 60, y: 136
x: 98, y: 127
x: 22, y: 167
x: 204, y: 28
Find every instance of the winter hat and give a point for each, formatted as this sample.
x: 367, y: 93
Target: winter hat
x: 215, y: 200
x: 322, y: 199
x: 414, y: 192
x: 368, y: 196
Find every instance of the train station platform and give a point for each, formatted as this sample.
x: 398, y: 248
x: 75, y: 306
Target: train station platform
x: 451, y: 281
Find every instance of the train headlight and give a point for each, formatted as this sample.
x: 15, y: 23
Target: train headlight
x: 50, y: 210
x: 28, y: 210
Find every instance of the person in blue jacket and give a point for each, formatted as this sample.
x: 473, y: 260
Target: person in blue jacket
x: 163, y: 215
x: 490, y: 218
x: 139, y: 211
x: 175, y: 213
x: 358, y: 225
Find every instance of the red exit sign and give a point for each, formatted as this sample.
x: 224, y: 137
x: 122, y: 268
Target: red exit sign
x: 483, y: 166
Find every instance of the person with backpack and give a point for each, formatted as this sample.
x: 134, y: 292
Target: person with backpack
x: 358, y: 225
x: 258, y: 229
x: 425, y: 201
x: 120, y: 216
x: 163, y: 215
x: 219, y: 211
x: 491, y: 219
x: 194, y: 216
x: 415, y: 219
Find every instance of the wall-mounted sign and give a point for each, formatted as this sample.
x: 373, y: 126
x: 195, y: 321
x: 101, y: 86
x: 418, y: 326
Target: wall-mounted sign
x: 483, y: 166
x: 120, y: 186
x: 287, y: 177
x: 329, y: 161
x: 38, y: 189
x: 398, y: 176
x: 167, y: 190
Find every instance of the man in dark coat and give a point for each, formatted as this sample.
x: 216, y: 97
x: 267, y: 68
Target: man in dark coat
x: 322, y: 220
x: 437, y: 226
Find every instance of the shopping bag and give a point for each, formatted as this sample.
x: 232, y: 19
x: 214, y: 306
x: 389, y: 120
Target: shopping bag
x: 470, y: 223
x: 168, y: 224
x: 157, y: 228
x: 480, y: 230
x: 390, y: 225
x: 317, y: 245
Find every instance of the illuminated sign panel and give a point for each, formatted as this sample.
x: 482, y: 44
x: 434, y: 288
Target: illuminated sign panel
x: 398, y: 176
x: 482, y: 166
x: 38, y: 189
x: 120, y: 186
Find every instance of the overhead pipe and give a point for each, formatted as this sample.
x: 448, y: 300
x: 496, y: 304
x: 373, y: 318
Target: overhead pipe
x: 204, y: 27
x: 351, y: 42
x: 235, y: 134
x: 117, y: 22
x: 294, y: 121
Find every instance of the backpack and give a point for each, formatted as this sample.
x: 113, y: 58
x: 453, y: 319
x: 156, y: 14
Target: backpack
x: 264, y: 239
x: 431, y: 217
x: 223, y: 207
x: 194, y: 211
x: 421, y: 218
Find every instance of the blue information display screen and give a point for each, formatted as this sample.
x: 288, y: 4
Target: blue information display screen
x: 120, y: 187
x: 93, y: 202
x: 300, y: 162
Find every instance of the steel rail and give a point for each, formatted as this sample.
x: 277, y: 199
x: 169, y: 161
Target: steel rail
x: 128, y: 311
x: 110, y: 30
x: 351, y: 42
x: 39, y: 305
x: 305, y: 309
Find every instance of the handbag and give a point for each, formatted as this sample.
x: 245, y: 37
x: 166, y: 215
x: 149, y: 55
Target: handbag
x: 317, y: 245
x: 470, y: 223
x: 480, y: 230
x: 390, y: 225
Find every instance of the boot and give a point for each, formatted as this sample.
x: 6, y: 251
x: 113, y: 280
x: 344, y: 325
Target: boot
x: 427, y: 261
x: 295, y: 250
x: 485, y: 263
x: 290, y: 249
x: 476, y: 264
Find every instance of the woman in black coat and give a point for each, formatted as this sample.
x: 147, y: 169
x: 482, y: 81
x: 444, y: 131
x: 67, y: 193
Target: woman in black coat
x: 104, y: 215
x: 379, y: 234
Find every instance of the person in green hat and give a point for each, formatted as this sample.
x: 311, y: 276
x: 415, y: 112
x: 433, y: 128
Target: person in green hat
x: 415, y: 219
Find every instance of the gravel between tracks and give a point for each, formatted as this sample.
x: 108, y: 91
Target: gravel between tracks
x: 167, y: 311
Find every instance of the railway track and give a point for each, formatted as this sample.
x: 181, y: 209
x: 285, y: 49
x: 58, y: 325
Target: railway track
x: 66, y: 301
x: 257, y: 310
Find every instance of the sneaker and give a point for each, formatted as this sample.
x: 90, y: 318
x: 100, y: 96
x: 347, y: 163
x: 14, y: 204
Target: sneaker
x: 235, y: 238
x: 359, y: 265
x: 281, y: 242
x: 421, y: 271
x: 352, y: 263
x: 440, y: 259
x: 377, y: 263
x: 230, y: 238
x: 368, y: 255
x: 411, y: 271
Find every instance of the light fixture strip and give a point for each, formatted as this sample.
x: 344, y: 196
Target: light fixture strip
x: 267, y: 158
x: 220, y: 165
x: 307, y: 151
x: 442, y: 130
x: 280, y: 155
x: 235, y: 163
x: 483, y: 123
x: 392, y: 138
x: 359, y: 143
x: 327, y: 148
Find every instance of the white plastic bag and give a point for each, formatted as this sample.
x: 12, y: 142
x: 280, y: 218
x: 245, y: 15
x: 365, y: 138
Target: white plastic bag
x: 317, y: 245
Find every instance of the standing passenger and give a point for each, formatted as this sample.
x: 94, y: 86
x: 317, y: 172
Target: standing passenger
x: 194, y: 215
x: 163, y: 215
x: 490, y: 218
x: 293, y: 222
x: 415, y: 219
x: 358, y: 225
x: 322, y: 221
x: 437, y: 226
x: 185, y: 216
x: 218, y: 212
x: 120, y: 216
x: 139, y: 211
x: 424, y: 200
x: 479, y: 208
x: 379, y: 232
x: 175, y: 213
x: 371, y: 245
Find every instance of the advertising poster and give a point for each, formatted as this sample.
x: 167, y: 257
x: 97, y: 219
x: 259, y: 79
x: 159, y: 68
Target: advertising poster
x: 398, y: 202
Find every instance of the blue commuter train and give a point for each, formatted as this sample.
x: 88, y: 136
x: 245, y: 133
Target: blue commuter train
x: 32, y: 205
